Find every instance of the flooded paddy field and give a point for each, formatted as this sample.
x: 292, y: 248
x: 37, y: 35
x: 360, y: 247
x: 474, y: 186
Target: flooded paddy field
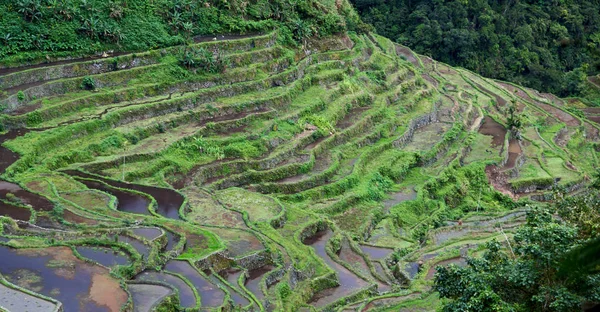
x: 52, y: 272
x: 333, y: 177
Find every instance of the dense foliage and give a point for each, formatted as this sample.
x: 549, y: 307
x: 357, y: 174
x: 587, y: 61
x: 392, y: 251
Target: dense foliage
x: 528, y: 42
x: 86, y: 26
x: 538, y: 270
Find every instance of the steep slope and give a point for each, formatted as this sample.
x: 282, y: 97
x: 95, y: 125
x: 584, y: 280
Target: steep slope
x: 326, y: 177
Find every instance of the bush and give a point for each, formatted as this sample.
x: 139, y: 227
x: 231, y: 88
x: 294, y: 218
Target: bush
x: 88, y: 83
x: 284, y: 290
x: 20, y: 96
x: 34, y: 118
x: 202, y: 59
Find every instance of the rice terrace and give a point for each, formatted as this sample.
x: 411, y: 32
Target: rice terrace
x: 247, y: 172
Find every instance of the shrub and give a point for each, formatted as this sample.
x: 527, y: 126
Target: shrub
x: 202, y: 59
x: 88, y: 83
x: 284, y: 290
x: 34, y: 118
x: 20, y: 96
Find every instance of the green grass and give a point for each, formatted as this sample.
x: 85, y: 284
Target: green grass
x: 259, y: 208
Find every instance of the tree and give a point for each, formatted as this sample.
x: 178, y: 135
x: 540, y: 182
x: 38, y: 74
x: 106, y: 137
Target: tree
x: 596, y: 181
x: 513, y: 121
x: 540, y: 44
x: 528, y: 280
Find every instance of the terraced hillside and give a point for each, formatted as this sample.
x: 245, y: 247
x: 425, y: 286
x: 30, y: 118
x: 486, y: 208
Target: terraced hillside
x: 332, y: 177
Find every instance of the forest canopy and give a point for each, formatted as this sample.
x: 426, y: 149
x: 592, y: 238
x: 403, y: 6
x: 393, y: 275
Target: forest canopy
x: 546, y: 45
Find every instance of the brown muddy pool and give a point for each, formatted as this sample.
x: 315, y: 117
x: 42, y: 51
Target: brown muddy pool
x: 210, y: 295
x: 103, y: 255
x: 168, y: 201
x: 494, y: 129
x: 349, y: 282
x: 55, y: 272
x: 126, y: 201
x: 187, y: 299
x: 15, y: 212
x: 254, y: 279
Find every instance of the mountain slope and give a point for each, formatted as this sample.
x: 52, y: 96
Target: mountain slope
x: 262, y: 176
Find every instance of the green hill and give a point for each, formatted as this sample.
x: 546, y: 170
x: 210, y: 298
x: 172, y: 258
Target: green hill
x: 279, y: 171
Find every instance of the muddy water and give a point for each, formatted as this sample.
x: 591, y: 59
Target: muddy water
x: 231, y: 116
x: 407, y: 54
x: 493, y: 221
x: 379, y: 269
x: 430, y: 80
x: 210, y: 295
x: 561, y: 115
x: 442, y: 237
x: 15, y: 212
x: 254, y: 279
x: 351, y: 117
x: 146, y: 296
x: 232, y: 277
x: 172, y: 240
x: 140, y: 247
x: 399, y: 197
x: 493, y: 128
x: 25, y: 86
x: 74, y: 218
x: 376, y: 253
x: 595, y: 119
x: 8, y: 157
x: 56, y: 273
x: 458, y: 261
x: 168, y: 201
x: 499, y: 100
x: 147, y: 233
x: 386, y: 302
x: 350, y: 257
x: 505, y: 218
x: 514, y: 150
x: 126, y: 202
x: 38, y: 202
x: 349, y: 282
x: 476, y: 226
x: 187, y: 299
x: 412, y: 268
x: 315, y: 143
x: 105, y: 256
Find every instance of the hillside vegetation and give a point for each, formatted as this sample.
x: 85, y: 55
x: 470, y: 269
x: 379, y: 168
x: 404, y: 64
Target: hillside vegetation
x: 277, y: 173
x: 532, y: 43
x: 33, y: 30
